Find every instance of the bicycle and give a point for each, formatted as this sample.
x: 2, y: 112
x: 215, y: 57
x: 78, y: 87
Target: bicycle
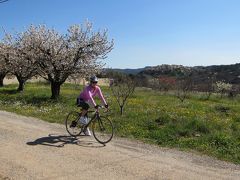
x: 102, y: 127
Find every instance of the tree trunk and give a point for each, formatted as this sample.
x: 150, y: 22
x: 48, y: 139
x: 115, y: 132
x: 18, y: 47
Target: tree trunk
x: 21, y: 83
x: 2, y: 76
x: 55, y: 87
x: 121, y: 110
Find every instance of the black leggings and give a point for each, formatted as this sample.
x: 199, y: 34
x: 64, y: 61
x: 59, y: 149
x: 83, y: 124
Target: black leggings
x: 82, y: 103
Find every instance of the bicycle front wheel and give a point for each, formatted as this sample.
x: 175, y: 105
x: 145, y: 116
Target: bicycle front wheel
x: 102, y: 130
x: 72, y: 124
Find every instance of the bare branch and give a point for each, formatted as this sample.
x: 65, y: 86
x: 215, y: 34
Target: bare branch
x: 122, y: 88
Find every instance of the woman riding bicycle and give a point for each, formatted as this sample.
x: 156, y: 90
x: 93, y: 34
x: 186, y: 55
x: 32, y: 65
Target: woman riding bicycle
x: 85, y: 99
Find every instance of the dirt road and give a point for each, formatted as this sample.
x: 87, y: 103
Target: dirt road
x: 34, y: 149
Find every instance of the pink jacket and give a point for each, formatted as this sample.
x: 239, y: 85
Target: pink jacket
x: 89, y: 92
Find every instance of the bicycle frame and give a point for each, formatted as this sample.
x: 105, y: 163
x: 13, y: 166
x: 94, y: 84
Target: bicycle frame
x: 95, y: 116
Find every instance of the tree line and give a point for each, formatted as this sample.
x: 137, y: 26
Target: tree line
x: 181, y: 85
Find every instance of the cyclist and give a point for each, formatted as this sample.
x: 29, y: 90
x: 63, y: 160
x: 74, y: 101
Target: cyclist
x: 85, y: 99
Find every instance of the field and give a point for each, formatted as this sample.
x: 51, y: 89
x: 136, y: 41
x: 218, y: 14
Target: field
x: 209, y: 127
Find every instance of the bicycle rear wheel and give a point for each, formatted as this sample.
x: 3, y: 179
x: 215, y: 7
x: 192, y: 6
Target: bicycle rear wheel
x: 72, y: 124
x: 102, y: 130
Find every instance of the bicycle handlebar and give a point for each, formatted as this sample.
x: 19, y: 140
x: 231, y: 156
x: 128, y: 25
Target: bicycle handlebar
x: 102, y: 107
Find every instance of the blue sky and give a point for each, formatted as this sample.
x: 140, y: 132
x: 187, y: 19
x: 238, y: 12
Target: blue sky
x: 145, y: 32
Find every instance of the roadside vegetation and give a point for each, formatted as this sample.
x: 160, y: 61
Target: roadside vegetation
x: 209, y: 126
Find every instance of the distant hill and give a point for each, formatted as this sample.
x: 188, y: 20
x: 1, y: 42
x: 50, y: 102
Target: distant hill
x: 129, y: 71
x: 229, y: 73
x: 165, y: 69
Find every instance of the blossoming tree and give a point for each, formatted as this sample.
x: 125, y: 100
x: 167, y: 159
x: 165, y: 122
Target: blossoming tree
x: 19, y: 56
x: 3, y: 66
x: 54, y: 56
x: 76, y: 52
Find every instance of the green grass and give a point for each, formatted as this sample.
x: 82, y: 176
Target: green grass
x: 210, y: 127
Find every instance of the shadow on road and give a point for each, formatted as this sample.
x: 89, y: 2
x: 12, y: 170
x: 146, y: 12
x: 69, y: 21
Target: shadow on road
x: 61, y: 140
